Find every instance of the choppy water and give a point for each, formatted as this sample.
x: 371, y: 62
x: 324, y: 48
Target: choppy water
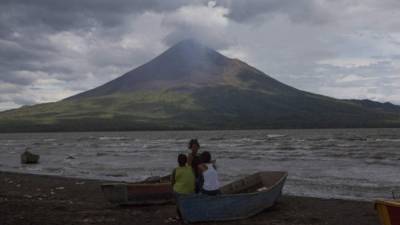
x: 340, y: 163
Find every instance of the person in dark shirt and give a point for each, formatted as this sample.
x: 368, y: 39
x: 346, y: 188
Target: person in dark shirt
x: 194, y: 146
x: 194, y: 161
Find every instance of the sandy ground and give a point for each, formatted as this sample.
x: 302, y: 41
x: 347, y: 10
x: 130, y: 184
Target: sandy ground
x: 41, y: 200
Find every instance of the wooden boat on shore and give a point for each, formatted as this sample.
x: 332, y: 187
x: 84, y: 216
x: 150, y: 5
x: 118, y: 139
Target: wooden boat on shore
x: 240, y: 199
x: 154, y: 190
x: 388, y: 211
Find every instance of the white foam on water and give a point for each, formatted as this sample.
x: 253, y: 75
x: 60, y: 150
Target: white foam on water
x: 347, y: 164
x: 276, y: 135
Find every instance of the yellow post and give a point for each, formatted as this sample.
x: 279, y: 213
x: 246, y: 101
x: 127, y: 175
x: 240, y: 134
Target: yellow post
x: 383, y: 213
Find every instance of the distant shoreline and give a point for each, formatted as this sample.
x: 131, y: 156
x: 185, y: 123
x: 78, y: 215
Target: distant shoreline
x: 200, y: 130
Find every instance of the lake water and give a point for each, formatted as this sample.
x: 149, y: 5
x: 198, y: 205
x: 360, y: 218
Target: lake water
x: 338, y: 163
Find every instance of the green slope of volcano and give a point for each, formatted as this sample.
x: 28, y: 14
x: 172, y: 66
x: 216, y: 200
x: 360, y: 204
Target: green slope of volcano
x: 191, y: 86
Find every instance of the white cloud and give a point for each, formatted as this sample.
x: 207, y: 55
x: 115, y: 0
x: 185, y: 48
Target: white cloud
x: 349, y: 62
x: 353, y: 78
x: 69, y: 41
x: 206, y: 23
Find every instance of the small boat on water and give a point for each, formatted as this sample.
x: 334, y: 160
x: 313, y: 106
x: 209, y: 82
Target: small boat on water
x: 240, y: 199
x: 29, y: 158
x: 388, y: 211
x: 154, y: 190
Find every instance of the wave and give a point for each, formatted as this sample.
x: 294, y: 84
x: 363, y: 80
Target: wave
x: 286, y: 148
x: 105, y: 138
x: 115, y: 174
x: 101, y: 154
x: 86, y: 138
x: 276, y: 135
x: 387, y: 140
x: 216, y: 138
x: 49, y: 140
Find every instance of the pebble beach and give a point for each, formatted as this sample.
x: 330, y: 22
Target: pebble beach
x: 52, y: 200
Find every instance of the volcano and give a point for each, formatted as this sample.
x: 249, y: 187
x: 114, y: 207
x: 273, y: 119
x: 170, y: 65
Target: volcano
x: 191, y: 86
x: 187, y: 66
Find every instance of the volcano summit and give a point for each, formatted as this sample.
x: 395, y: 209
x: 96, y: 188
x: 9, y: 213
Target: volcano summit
x: 191, y: 86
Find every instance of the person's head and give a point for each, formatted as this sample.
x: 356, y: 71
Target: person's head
x: 194, y: 145
x: 182, y: 159
x: 205, y: 157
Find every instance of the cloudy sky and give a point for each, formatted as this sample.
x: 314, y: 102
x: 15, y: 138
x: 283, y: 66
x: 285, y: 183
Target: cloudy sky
x: 52, y: 49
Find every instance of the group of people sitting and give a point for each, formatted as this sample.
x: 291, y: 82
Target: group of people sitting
x: 196, y: 172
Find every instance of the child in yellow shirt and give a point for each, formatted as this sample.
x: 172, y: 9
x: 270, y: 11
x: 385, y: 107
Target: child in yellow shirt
x: 183, y: 179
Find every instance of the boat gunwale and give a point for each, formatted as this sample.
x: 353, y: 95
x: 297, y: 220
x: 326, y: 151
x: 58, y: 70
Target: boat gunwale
x: 282, y: 179
x: 385, y: 202
x: 136, y: 184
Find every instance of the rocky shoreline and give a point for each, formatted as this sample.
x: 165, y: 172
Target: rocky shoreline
x: 51, y: 200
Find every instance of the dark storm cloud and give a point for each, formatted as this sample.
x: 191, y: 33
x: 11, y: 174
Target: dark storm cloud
x: 298, y: 11
x: 26, y: 25
x: 17, y: 79
x: 77, y: 14
x: 73, y: 14
x: 27, y: 52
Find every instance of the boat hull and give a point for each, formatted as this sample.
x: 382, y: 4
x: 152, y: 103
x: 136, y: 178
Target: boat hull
x: 389, y: 211
x: 201, y: 208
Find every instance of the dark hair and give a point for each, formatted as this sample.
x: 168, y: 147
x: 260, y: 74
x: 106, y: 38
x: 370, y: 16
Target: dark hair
x: 182, y: 159
x: 205, y: 157
x: 193, y: 142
